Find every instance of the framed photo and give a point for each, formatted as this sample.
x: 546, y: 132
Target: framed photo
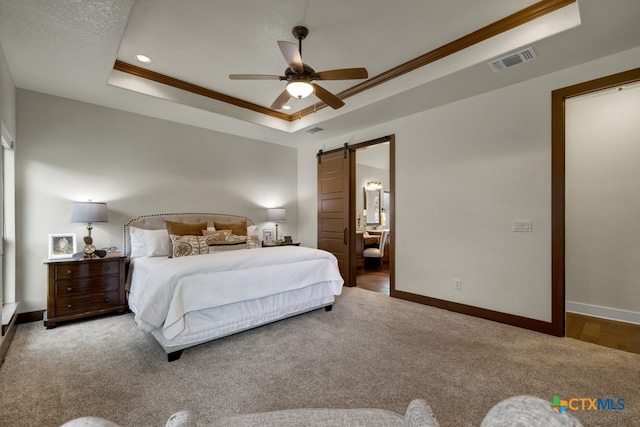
x: 62, y: 245
x: 267, y: 236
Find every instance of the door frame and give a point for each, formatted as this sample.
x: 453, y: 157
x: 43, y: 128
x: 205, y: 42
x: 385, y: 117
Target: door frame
x: 391, y: 139
x: 352, y: 205
x: 558, y: 140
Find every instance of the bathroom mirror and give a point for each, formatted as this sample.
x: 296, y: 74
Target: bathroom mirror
x: 372, y: 204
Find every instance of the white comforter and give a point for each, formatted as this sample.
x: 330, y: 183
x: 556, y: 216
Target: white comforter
x: 163, y: 290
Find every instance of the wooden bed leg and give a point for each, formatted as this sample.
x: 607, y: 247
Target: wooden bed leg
x: 174, y: 356
x: 328, y: 308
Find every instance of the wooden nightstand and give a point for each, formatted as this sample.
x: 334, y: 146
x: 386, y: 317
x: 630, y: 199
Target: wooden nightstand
x: 83, y: 288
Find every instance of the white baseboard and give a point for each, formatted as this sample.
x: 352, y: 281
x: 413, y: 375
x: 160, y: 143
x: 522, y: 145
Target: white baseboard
x: 603, y: 312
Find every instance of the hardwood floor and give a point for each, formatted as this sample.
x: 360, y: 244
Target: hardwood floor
x: 373, y: 280
x: 608, y: 333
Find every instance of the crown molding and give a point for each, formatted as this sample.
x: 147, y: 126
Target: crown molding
x: 515, y: 20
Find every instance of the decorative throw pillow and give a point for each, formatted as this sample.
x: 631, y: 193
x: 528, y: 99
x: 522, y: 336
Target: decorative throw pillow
x: 235, y: 238
x: 185, y: 229
x: 237, y: 228
x: 189, y: 245
x: 253, y: 241
x: 232, y: 242
x: 216, y: 236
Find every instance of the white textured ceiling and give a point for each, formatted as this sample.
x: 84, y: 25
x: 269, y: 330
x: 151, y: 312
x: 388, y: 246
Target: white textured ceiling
x: 68, y: 48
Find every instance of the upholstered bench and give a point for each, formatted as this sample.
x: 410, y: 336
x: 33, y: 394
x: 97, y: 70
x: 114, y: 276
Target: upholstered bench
x: 518, y: 411
x: 418, y: 414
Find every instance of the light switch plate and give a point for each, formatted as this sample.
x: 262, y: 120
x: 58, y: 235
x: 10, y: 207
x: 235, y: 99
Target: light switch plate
x: 522, y: 225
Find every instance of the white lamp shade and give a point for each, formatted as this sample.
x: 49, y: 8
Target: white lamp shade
x: 299, y: 89
x: 276, y: 214
x: 89, y: 212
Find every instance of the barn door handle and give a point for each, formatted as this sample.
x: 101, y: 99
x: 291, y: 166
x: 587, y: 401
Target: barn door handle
x: 344, y: 236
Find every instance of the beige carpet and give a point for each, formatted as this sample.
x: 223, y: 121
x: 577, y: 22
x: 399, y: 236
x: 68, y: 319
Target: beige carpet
x: 370, y: 351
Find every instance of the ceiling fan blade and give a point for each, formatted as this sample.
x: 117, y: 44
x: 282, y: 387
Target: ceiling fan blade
x: 291, y: 55
x: 253, y: 77
x: 329, y: 98
x: 342, y: 74
x: 281, y: 100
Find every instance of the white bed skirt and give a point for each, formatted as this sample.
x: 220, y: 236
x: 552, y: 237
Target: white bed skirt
x: 206, y: 325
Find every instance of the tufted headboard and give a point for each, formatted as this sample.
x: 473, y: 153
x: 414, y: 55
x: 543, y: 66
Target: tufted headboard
x: 156, y: 222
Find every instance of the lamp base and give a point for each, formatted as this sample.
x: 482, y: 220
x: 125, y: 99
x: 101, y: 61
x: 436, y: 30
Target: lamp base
x: 88, y: 249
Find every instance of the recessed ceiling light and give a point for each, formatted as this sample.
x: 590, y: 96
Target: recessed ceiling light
x: 143, y: 58
x: 287, y: 107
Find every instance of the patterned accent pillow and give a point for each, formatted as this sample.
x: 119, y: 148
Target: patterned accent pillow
x: 234, y: 238
x: 189, y: 245
x: 253, y: 242
x: 232, y: 242
x: 217, y: 236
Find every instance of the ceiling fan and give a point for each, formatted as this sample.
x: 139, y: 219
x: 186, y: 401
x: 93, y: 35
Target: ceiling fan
x: 300, y: 76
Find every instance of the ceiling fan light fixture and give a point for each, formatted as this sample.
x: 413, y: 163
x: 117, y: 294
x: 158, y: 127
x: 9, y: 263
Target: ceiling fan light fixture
x: 299, y: 88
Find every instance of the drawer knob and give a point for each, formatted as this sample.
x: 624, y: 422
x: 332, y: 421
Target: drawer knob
x: 69, y: 271
x: 69, y: 306
x: 69, y: 289
x: 106, y: 300
x: 106, y: 284
x: 106, y: 267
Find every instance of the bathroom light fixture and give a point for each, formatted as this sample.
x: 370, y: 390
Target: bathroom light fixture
x: 374, y: 185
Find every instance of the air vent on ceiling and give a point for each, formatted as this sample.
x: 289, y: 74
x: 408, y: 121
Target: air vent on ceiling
x: 512, y: 59
x: 314, y: 129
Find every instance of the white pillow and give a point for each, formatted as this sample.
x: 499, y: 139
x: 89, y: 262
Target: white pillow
x: 157, y: 243
x: 251, y: 230
x: 136, y: 241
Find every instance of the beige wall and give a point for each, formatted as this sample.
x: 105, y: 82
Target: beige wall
x: 72, y: 151
x: 603, y: 203
x: 464, y: 172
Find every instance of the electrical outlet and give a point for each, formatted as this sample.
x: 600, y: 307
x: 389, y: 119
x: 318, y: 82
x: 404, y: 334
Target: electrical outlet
x: 457, y: 284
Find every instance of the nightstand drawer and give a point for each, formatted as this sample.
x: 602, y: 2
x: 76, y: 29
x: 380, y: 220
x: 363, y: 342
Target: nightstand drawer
x: 70, y: 270
x: 65, y: 306
x: 87, y: 286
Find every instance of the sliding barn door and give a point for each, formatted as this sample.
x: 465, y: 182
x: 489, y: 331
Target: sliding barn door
x: 333, y: 207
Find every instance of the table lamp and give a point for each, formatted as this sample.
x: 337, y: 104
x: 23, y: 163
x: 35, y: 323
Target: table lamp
x: 89, y: 212
x: 276, y: 215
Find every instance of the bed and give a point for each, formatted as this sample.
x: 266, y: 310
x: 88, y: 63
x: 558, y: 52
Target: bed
x: 220, y: 285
